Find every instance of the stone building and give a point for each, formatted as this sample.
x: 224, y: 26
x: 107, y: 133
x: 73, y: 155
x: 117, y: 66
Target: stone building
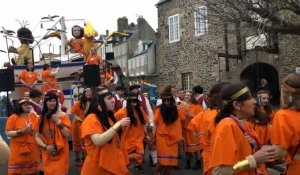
x: 195, y: 48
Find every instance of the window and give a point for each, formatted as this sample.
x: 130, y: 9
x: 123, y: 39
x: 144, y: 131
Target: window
x: 186, y: 81
x: 201, y: 24
x: 174, y: 28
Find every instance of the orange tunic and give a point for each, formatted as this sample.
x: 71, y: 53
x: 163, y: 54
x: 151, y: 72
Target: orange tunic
x: 107, y: 159
x: 77, y: 45
x: 133, y: 136
x: 192, y: 142
x: 203, y: 126
x: 24, y: 151
x: 96, y: 59
x: 49, y: 82
x: 167, y: 138
x: 56, y: 165
x: 28, y: 78
x: 286, y: 133
x: 229, y: 146
x: 78, y: 145
x: 105, y: 78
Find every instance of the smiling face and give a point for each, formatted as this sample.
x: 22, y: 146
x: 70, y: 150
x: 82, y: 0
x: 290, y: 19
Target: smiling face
x: 25, y: 107
x: 264, y: 98
x: 51, y: 104
x: 88, y: 93
x: 188, y: 97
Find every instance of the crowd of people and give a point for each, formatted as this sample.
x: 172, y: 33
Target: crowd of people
x: 224, y: 132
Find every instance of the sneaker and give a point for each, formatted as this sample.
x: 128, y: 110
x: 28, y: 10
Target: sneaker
x: 138, y: 168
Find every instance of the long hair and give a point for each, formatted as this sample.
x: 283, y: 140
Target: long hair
x: 18, y: 107
x: 84, y: 100
x: 132, y: 97
x: 27, y: 68
x: 290, y: 92
x: 214, y: 95
x: 46, y: 112
x: 169, y: 114
x: 226, y: 109
x: 102, y: 114
x: 261, y: 118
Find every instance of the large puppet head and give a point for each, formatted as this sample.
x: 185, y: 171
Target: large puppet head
x: 25, y: 35
x: 77, y: 32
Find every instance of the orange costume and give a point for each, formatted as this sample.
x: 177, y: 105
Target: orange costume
x: 24, y: 151
x: 28, y: 78
x: 94, y: 59
x: 167, y: 138
x: 59, y: 164
x: 49, y: 81
x: 77, y: 45
x: 286, y: 133
x: 133, y: 136
x: 109, y: 159
x: 105, y: 78
x: 76, y: 127
x: 229, y: 145
x: 192, y: 143
x: 203, y: 125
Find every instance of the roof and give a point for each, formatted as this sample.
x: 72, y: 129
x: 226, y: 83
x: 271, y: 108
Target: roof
x: 161, y: 2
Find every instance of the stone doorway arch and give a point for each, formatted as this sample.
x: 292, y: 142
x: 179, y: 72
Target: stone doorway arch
x: 253, y: 73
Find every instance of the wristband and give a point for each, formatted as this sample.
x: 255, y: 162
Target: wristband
x: 117, y: 126
x: 241, y: 166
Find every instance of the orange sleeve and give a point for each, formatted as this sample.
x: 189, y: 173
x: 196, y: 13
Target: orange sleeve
x: 156, y: 115
x: 75, y: 108
x: 121, y: 113
x: 66, y: 121
x: 108, y: 76
x: 22, y: 75
x: 195, y: 123
x: 10, y: 123
x: 91, y: 125
x: 35, y: 125
x: 146, y: 117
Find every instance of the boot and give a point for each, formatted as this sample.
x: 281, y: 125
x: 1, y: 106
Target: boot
x: 198, y: 165
x: 188, y: 164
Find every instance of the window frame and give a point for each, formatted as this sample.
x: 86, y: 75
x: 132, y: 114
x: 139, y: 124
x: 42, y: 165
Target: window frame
x: 201, y: 26
x: 172, y: 28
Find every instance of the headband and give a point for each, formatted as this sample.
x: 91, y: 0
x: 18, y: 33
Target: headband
x: 288, y: 89
x: 237, y: 95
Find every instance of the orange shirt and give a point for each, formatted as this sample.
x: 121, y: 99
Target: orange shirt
x: 229, y: 146
x: 105, y: 78
x: 76, y: 127
x: 77, y: 45
x: 49, y: 81
x: 133, y: 136
x: 28, y: 78
x: 203, y: 125
x: 109, y: 159
x: 52, y: 134
x: 286, y: 133
x: 167, y: 138
x: 192, y: 143
x: 95, y: 59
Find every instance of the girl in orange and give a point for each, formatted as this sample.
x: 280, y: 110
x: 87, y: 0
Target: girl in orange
x: 133, y: 136
x: 285, y: 134
x: 78, y: 111
x: 203, y: 124
x: 28, y: 77
x: 93, y: 57
x: 49, y: 78
x: 168, y: 133
x: 235, y: 148
x: 191, y: 108
x: 25, y: 153
x: 101, y: 133
x: 53, y: 129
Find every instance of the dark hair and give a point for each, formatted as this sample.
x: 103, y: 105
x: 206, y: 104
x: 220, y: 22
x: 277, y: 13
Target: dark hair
x: 169, y: 114
x: 130, y: 110
x: 25, y: 35
x: 18, y: 107
x: 45, y: 66
x: 84, y: 100
x: 119, y: 88
x: 45, y: 111
x: 103, y: 115
x: 291, y: 98
x: 27, y: 69
x: 198, y: 89
x: 81, y: 31
x: 227, y: 92
x: 35, y: 93
x: 215, y: 94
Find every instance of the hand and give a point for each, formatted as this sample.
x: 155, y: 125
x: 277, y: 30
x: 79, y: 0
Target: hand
x: 50, y: 148
x: 26, y: 129
x: 265, y: 154
x: 251, y: 140
x: 12, y: 49
x: 56, y: 119
x: 125, y: 121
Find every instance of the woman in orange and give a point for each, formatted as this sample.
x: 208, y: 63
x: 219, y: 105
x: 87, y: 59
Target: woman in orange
x: 78, y: 111
x: 25, y: 153
x: 285, y: 134
x: 203, y: 124
x: 53, y: 129
x: 168, y: 133
x: 235, y: 148
x: 191, y: 108
x: 93, y: 57
x: 133, y: 136
x: 101, y: 133
x: 49, y: 78
x: 28, y: 77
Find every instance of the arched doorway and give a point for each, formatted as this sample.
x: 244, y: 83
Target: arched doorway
x: 253, y: 73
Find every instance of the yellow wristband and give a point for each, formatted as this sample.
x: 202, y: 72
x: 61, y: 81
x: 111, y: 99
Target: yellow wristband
x: 117, y: 126
x: 241, y: 166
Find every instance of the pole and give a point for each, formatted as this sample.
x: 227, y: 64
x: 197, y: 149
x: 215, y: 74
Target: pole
x: 7, y: 104
x: 7, y: 48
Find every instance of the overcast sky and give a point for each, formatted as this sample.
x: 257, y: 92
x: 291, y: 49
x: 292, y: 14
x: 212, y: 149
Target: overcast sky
x: 102, y: 14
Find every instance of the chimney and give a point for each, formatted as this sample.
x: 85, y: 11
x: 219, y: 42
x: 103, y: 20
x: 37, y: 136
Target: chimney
x: 122, y: 24
x: 107, y: 33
